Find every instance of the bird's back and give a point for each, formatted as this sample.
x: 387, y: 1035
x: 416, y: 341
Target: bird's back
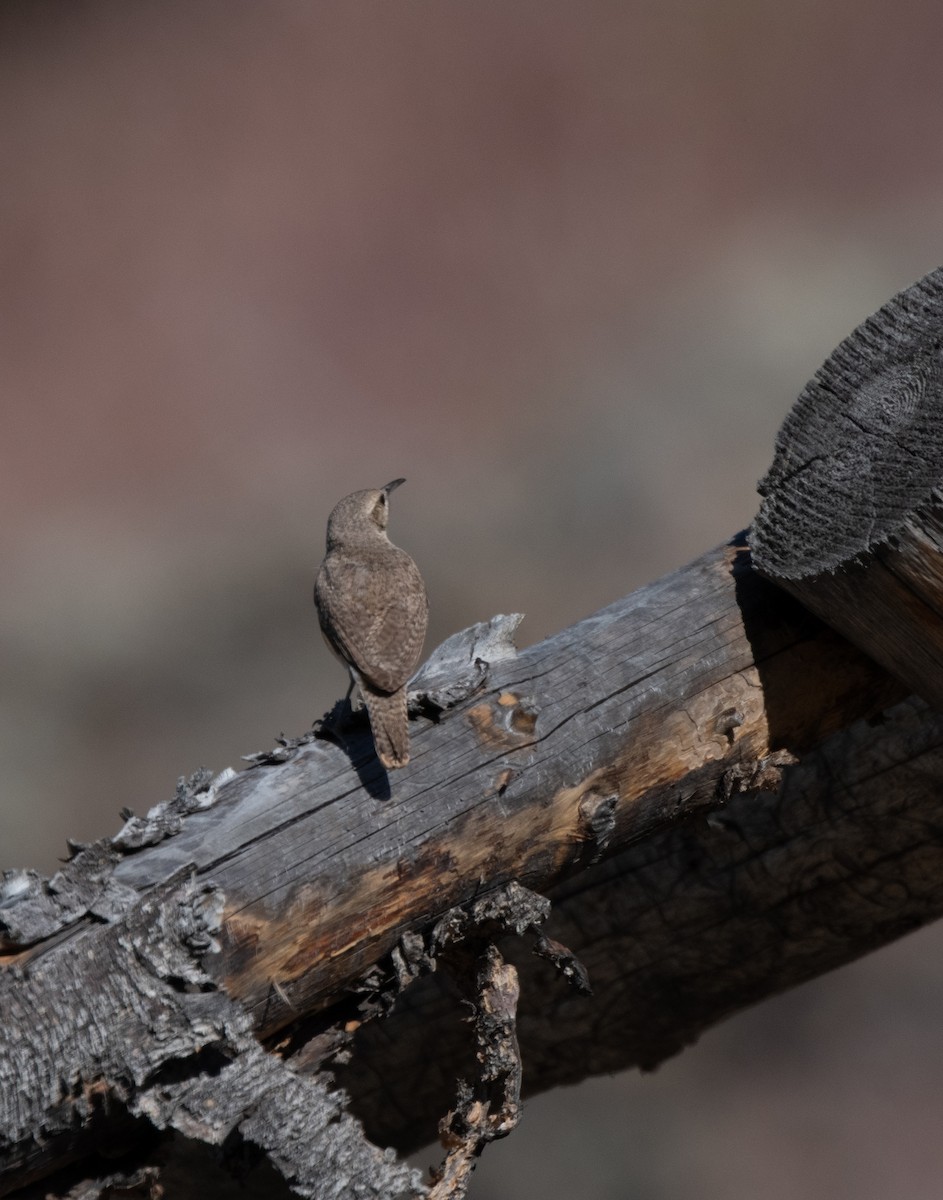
x: 373, y: 610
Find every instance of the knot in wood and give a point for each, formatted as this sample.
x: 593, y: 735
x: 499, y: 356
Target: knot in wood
x: 505, y: 722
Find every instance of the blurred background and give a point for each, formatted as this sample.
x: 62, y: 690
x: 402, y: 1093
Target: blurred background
x: 565, y: 267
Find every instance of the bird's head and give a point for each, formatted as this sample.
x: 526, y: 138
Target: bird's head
x: 360, y: 515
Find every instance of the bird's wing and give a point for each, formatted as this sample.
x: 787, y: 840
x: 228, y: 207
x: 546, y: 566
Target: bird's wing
x: 374, y: 613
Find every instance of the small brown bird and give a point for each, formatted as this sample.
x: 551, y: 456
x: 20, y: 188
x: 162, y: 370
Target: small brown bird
x: 373, y: 611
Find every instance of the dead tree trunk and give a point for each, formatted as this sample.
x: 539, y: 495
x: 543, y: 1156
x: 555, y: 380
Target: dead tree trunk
x: 210, y: 975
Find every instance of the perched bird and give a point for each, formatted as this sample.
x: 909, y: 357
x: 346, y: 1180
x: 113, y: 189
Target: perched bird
x: 373, y: 611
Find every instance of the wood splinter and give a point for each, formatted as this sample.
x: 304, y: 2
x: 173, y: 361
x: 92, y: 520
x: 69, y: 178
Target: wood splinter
x: 491, y: 1108
x: 464, y: 942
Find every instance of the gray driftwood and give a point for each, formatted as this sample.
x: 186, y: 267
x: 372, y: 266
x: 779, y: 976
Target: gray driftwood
x: 188, y: 998
x: 287, y: 907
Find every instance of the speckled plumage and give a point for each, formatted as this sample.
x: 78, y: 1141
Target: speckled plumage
x: 373, y: 611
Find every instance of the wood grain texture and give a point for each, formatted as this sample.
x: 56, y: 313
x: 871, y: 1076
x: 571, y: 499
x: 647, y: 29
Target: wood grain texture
x: 316, y: 890
x: 850, y: 522
x: 218, y: 967
x: 652, y: 709
x: 116, y: 1033
x: 686, y: 927
x: 862, y: 447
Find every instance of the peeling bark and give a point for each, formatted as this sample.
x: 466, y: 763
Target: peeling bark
x: 219, y: 967
x: 278, y: 972
x: 296, y: 902
x: 122, y: 1017
x: 688, y: 926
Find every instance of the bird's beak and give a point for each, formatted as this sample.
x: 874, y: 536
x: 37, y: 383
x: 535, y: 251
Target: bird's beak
x: 390, y: 487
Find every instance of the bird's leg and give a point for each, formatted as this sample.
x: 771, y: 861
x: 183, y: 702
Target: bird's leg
x: 333, y: 723
x: 357, y: 703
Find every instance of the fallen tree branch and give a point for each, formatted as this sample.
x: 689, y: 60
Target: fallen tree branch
x: 223, y: 963
x: 663, y: 706
x: 694, y: 923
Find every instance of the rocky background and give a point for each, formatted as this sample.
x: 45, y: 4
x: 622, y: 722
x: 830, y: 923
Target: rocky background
x: 565, y: 267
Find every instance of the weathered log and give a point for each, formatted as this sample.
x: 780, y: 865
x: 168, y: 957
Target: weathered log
x: 217, y: 967
x: 852, y: 517
x: 655, y: 708
x: 116, y: 1033
x: 308, y: 874
x: 691, y: 925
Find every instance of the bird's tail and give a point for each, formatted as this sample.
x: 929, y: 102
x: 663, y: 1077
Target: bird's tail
x: 390, y: 725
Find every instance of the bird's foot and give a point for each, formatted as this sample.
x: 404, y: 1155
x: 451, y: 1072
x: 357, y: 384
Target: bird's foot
x: 344, y: 715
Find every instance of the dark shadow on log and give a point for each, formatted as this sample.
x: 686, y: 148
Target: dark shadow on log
x: 349, y: 729
x: 832, y: 669
x: 117, y: 1146
x: 370, y: 771
x: 692, y: 925
x: 172, y: 1166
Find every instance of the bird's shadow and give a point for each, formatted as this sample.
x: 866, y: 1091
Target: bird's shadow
x: 349, y: 728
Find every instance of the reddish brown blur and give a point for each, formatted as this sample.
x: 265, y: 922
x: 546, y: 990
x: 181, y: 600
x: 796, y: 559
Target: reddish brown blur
x: 564, y: 266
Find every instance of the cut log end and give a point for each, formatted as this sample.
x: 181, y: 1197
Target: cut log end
x: 851, y: 521
x: 862, y: 449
